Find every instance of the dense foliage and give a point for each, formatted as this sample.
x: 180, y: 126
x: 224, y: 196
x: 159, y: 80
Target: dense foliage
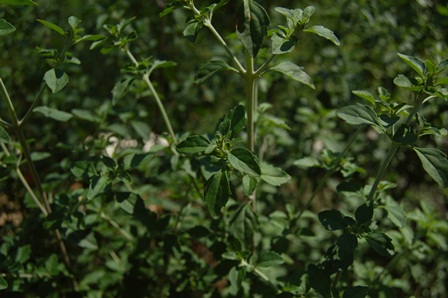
x: 230, y: 149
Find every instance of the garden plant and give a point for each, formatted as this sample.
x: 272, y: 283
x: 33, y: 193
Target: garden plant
x: 223, y: 149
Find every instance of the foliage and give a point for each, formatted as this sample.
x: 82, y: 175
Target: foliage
x: 217, y: 165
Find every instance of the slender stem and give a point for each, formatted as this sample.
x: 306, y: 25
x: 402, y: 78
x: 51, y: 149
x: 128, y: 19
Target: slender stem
x: 208, y: 24
x: 156, y: 97
x: 117, y: 226
x: 34, y: 104
x: 5, y: 123
x: 265, y: 65
x: 250, y: 102
x: 328, y: 174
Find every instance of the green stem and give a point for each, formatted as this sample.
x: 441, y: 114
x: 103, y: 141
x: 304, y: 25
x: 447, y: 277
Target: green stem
x: 265, y: 65
x: 5, y: 124
x: 251, y: 93
x: 156, y: 97
x: 34, y: 104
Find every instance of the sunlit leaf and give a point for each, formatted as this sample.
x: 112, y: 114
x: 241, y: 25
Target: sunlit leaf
x: 324, y: 32
x: 53, y: 113
x: 52, y: 26
x: 416, y: 64
x: 294, y: 72
x: 56, y: 79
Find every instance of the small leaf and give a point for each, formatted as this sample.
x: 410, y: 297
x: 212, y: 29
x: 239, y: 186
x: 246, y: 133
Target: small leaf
x: 404, y: 135
x: 120, y: 89
x: 4, y: 136
x: 294, y: 72
x: 332, y: 220
x: 18, y: 2
x: 364, y: 213
x: 3, y: 283
x: 244, y: 161
x: 346, y: 245
x: 380, y: 242
x: 5, y: 27
x: 273, y: 175
x: 252, y: 26
x: 56, y: 79
x: 192, y: 30
x: 365, y: 95
x: 249, y: 184
x: 416, y: 64
x: 53, y: 113
x: 210, y: 68
x: 243, y: 224
x: 435, y: 164
x: 395, y: 213
x: 359, y: 114
x: 269, y: 259
x: 237, y: 120
x: 324, y: 32
x: 356, y: 292
x: 52, y: 26
x: 402, y: 81
x: 217, y: 192
x: 282, y: 45
x: 193, y: 144
x: 236, y: 278
x: 319, y: 280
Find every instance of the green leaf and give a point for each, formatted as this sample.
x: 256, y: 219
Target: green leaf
x: 403, y: 81
x: 319, y: 280
x: 364, y: 213
x: 135, y: 160
x: 192, y: 30
x: 4, y: 136
x: 3, y: 283
x: 324, y: 32
x: 236, y: 277
x: 99, y: 185
x: 395, y: 213
x: 5, y: 27
x: 346, y: 245
x: 237, y: 120
x: 404, y: 135
x: 217, y: 192
x: 359, y: 114
x: 23, y: 254
x: 356, y: 292
x: 53, y: 113
x: 243, y: 224
x: 193, y: 144
x: 249, y: 184
x: 120, y: 89
x: 210, y: 68
x: 18, y: 2
x: 365, y: 95
x: 435, y: 164
x: 252, y: 26
x: 52, y: 26
x: 282, y: 45
x: 244, y: 161
x: 273, y: 175
x: 416, y: 64
x: 56, y: 79
x: 380, y: 242
x: 294, y: 72
x: 332, y: 220
x: 269, y: 259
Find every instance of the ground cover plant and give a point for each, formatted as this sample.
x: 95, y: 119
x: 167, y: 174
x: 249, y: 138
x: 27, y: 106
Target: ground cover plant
x: 229, y: 149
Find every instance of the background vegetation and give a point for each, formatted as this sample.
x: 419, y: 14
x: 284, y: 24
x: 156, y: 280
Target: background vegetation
x: 131, y: 218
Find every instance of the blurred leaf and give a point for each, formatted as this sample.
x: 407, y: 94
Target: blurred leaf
x: 319, y: 280
x: 236, y: 278
x: 269, y: 259
x: 53, y: 113
x: 294, y: 72
x: 365, y: 95
x: 416, y: 64
x: 5, y: 27
x: 192, y: 30
x: 193, y: 144
x: 52, y: 26
x: 324, y: 32
x: 18, y: 2
x: 243, y: 225
x: 249, y: 184
x: 358, y: 114
x: 252, y: 24
x: 4, y: 136
x: 435, y: 164
x: 395, y: 213
x: 244, y: 161
x: 217, y: 192
x: 380, y: 242
x: 273, y: 175
x: 120, y: 89
x: 346, y: 244
x: 402, y: 81
x: 23, y: 254
x: 3, y: 283
x: 404, y: 135
x: 198, y: 232
x: 356, y: 292
x: 56, y: 79
x: 364, y: 213
x: 210, y: 68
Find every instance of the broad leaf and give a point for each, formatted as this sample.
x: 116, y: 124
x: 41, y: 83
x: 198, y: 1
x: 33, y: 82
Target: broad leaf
x: 52, y: 26
x: 365, y: 95
x: 282, y: 45
x: 243, y: 225
x: 269, y: 259
x: 273, y: 175
x: 403, y: 81
x: 5, y: 27
x: 56, y: 79
x: 210, y: 68
x: 244, y: 161
x: 294, y: 72
x: 217, y: 192
x: 249, y: 184
x: 252, y: 26
x: 53, y: 113
x: 4, y: 137
x: 435, y: 164
x: 193, y: 144
x: 324, y: 32
x: 416, y: 64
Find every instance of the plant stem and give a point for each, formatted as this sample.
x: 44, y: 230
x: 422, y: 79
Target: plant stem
x: 156, y: 97
x: 251, y: 84
x: 34, y: 104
